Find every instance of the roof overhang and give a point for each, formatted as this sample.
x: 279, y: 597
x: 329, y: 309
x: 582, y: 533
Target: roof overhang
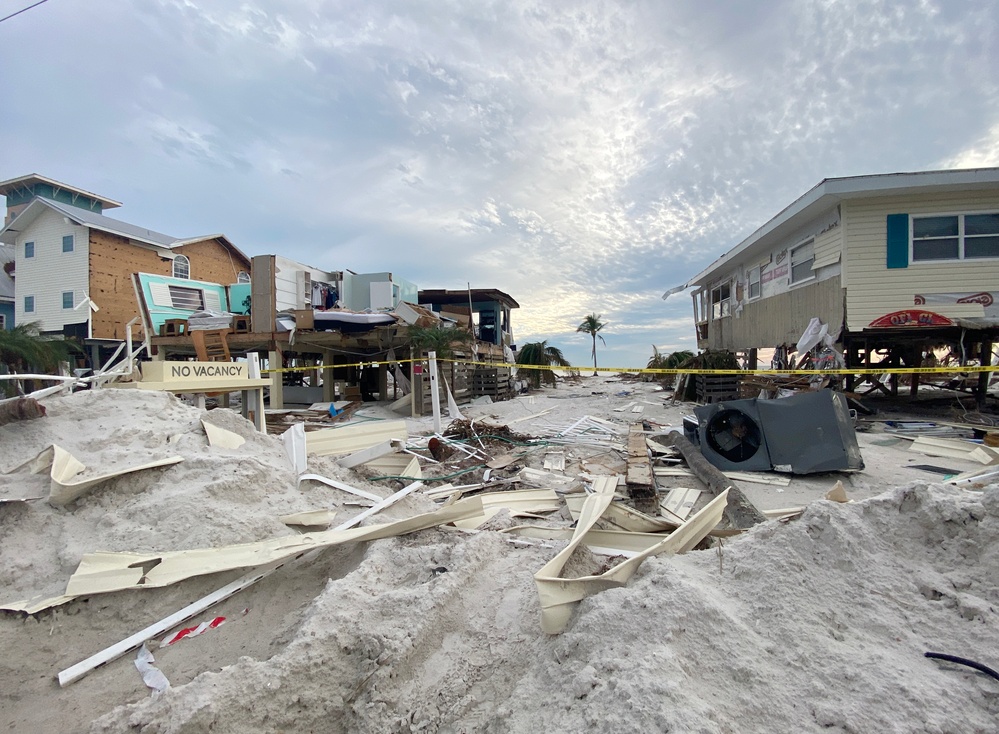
x: 464, y: 296
x: 31, y: 212
x: 14, y: 184
x: 830, y: 192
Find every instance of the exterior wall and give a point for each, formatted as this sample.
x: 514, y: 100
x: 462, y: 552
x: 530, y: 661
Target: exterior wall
x: 213, y: 262
x: 51, y: 272
x: 113, y: 259
x: 875, y: 290
x: 770, y: 322
x: 782, y: 311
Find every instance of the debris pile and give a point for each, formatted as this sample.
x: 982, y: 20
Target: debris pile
x: 356, y: 577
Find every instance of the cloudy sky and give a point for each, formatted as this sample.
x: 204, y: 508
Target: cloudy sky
x: 581, y: 156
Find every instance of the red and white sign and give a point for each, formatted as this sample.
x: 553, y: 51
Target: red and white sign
x: 910, y: 317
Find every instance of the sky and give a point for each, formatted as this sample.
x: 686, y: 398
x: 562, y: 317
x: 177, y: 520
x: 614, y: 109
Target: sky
x: 583, y: 157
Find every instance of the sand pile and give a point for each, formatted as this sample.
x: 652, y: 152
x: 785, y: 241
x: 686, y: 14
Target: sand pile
x: 819, y: 624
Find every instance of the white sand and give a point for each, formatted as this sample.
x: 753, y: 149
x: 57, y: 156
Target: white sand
x: 819, y: 624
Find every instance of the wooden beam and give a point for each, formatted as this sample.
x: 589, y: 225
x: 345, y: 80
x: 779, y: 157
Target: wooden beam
x: 740, y: 512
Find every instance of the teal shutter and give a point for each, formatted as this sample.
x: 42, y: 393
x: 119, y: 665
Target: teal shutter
x: 898, y: 241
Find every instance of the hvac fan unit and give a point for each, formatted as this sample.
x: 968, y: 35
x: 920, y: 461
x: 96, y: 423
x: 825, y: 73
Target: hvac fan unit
x: 732, y: 437
x: 803, y: 434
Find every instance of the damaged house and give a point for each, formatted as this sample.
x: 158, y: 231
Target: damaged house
x: 893, y: 265
x: 73, y: 265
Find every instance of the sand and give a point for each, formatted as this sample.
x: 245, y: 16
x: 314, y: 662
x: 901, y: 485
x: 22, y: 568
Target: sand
x: 818, y: 624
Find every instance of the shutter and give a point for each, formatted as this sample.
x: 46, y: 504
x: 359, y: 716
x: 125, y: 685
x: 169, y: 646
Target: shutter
x: 898, y: 241
x: 212, y: 300
x: 160, y: 293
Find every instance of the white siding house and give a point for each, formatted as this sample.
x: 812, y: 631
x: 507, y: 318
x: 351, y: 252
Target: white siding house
x: 52, y: 271
x: 892, y: 263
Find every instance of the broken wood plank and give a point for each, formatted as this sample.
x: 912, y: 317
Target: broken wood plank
x: 639, y: 478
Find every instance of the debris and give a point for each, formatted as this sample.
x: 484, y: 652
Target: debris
x: 559, y: 595
x: 192, y: 631
x: 555, y: 461
x: 310, y: 519
x: 680, y: 501
x: 20, y: 409
x: 641, y: 483
x: 740, y: 512
x: 151, y: 675
x: 339, y: 485
x: 837, y: 493
x: 64, y: 467
x: 370, y: 453
x: 353, y: 437
x: 953, y: 449
x: 221, y: 438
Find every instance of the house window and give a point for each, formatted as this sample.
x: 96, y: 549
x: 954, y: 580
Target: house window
x: 191, y: 299
x: 720, y: 300
x: 29, y: 249
x: 3, y: 321
x: 29, y: 304
x: 182, y: 267
x: 67, y: 299
x: 802, y: 258
x: 67, y: 243
x: 242, y: 277
x: 955, y: 237
x: 754, y: 283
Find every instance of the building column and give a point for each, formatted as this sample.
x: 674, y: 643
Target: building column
x: 274, y: 362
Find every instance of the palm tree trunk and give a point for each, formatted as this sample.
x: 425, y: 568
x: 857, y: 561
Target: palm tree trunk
x: 594, y: 354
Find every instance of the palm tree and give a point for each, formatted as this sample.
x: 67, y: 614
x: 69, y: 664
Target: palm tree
x: 23, y: 348
x: 541, y: 357
x: 591, y: 325
x: 663, y: 361
x: 440, y: 339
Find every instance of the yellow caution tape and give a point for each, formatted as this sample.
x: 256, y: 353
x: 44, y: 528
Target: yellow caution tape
x: 862, y: 370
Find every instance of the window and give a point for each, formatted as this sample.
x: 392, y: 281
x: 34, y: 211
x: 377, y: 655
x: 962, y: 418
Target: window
x: 29, y: 304
x: 242, y: 277
x: 802, y: 258
x: 191, y: 299
x: 955, y: 237
x: 29, y: 249
x: 67, y: 299
x: 754, y: 283
x: 3, y: 321
x: 182, y: 267
x: 67, y: 243
x: 720, y: 300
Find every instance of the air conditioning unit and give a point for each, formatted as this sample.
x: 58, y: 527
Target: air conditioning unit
x: 803, y: 434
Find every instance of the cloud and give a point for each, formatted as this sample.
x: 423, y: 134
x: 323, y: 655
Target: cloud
x: 583, y: 157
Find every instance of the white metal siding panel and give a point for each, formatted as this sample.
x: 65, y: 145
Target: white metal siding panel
x: 828, y: 247
x: 873, y: 290
x: 51, y: 272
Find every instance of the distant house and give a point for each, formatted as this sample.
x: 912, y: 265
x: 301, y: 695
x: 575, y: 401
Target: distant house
x: 6, y: 287
x: 487, y: 308
x: 73, y: 265
x: 892, y: 263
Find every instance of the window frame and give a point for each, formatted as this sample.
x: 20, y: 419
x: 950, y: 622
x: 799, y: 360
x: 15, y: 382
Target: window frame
x: 243, y: 277
x: 961, y: 238
x: 3, y: 321
x: 29, y: 300
x: 181, y: 259
x: 32, y: 255
x: 759, y: 283
x: 722, y: 307
x: 809, y: 243
x: 70, y: 240
x: 72, y: 298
